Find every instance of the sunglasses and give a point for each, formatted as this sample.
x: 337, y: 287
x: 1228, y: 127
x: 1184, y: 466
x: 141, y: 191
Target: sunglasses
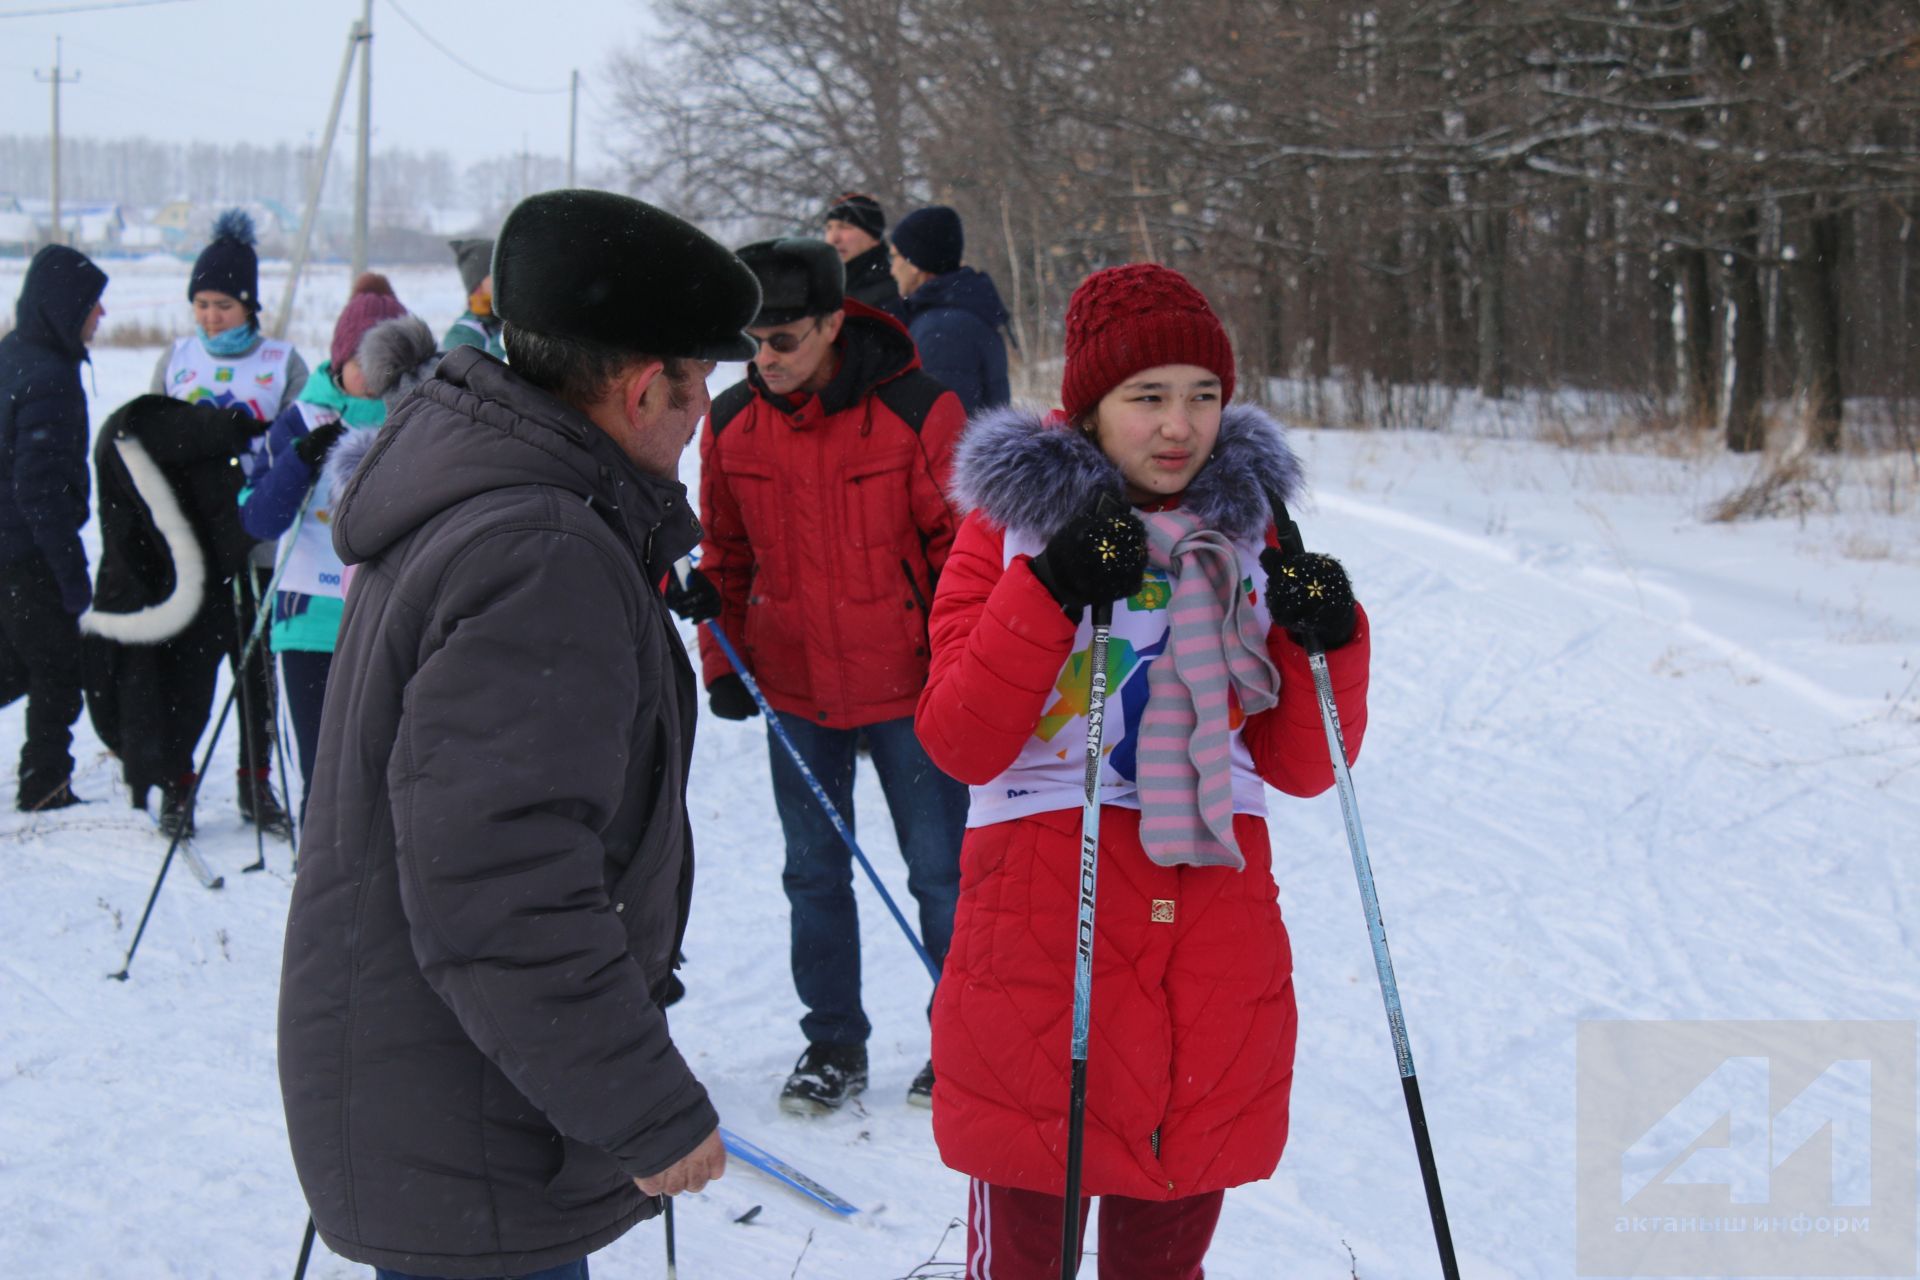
x: 787, y: 343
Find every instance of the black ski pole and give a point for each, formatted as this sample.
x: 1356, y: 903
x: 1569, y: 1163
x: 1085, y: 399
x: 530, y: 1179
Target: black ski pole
x: 1291, y: 544
x: 306, y: 1251
x: 242, y: 657
x: 1083, y: 943
x: 673, y: 1266
x: 173, y: 847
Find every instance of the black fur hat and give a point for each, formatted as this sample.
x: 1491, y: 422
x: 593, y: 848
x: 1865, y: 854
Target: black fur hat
x: 609, y: 268
x: 798, y: 278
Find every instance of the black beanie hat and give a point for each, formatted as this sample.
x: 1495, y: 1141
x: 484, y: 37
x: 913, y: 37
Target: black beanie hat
x: 798, y: 278
x: 931, y: 239
x: 608, y: 268
x: 229, y: 265
x: 858, y: 209
x: 474, y: 258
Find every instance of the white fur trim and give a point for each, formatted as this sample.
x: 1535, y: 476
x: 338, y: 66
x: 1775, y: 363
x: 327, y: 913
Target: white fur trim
x: 163, y: 621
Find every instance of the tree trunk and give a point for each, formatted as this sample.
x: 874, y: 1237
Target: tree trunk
x: 1490, y: 272
x: 1813, y: 289
x: 1699, y: 371
x: 1747, y: 322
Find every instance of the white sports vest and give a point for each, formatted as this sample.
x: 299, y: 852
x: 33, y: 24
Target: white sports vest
x: 312, y: 567
x: 1050, y: 771
x: 256, y: 382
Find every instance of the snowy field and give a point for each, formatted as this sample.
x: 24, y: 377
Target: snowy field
x: 1623, y: 764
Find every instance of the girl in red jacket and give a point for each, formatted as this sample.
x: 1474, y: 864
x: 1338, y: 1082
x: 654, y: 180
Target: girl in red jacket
x: 1209, y: 703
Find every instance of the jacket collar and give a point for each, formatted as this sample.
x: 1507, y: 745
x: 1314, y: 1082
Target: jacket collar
x: 1030, y: 471
x: 874, y: 348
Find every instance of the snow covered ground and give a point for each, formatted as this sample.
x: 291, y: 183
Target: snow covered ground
x: 1623, y: 763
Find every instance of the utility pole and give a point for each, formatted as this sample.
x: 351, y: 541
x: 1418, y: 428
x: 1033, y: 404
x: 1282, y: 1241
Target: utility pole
x: 57, y: 235
x: 573, y: 121
x: 363, y: 152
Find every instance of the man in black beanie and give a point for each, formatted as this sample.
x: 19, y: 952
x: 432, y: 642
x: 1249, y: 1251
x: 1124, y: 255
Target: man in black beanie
x: 477, y: 1070
x: 856, y: 227
x: 823, y: 485
x: 954, y: 312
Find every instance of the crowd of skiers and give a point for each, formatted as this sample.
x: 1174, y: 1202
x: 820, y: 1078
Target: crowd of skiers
x: 494, y: 724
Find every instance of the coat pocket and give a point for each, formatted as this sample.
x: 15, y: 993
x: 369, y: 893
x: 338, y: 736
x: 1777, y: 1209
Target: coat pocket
x: 587, y: 1175
x: 758, y: 491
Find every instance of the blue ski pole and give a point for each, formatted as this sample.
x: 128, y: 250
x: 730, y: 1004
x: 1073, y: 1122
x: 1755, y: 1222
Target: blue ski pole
x: 1291, y: 543
x: 819, y: 792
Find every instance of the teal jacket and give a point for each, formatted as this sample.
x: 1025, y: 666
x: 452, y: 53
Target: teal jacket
x: 471, y: 330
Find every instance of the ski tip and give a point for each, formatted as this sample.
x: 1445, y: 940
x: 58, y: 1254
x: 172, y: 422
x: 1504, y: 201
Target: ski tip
x: 219, y: 882
x: 261, y: 865
x: 121, y: 976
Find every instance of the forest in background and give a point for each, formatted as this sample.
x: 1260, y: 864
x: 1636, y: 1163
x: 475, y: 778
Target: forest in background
x: 1706, y: 207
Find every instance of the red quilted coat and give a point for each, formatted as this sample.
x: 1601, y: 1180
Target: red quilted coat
x: 1193, y: 1017
x: 826, y: 524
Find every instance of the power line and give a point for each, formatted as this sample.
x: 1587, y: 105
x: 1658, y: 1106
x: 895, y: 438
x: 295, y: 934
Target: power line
x: 62, y: 10
x: 490, y: 79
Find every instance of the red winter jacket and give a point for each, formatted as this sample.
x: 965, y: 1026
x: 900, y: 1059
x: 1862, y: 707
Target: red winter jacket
x: 1193, y: 1020
x: 827, y: 524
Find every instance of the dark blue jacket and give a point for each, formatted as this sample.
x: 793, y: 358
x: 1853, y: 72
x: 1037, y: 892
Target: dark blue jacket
x: 955, y: 320
x: 43, y: 417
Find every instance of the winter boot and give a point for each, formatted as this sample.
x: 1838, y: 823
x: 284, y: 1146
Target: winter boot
x: 920, y: 1092
x: 259, y: 806
x: 38, y: 796
x: 824, y: 1078
x: 176, y: 808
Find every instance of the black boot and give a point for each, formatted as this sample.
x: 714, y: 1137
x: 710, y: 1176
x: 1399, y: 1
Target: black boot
x: 176, y: 808
x: 824, y: 1078
x: 258, y: 805
x: 44, y: 796
x: 920, y: 1092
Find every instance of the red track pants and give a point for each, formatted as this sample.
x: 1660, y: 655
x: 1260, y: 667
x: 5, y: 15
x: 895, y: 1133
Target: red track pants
x: 1015, y: 1235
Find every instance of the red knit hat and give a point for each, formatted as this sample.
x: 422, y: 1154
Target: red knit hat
x: 1126, y: 319
x: 371, y: 302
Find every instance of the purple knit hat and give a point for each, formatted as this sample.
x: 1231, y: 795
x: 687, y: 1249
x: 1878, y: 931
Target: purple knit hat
x: 371, y: 302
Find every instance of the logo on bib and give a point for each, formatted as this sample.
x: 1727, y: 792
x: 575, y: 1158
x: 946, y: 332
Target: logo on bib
x: 223, y: 374
x: 1163, y: 911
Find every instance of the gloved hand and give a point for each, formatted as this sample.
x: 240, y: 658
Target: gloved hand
x: 243, y: 427
x: 1309, y: 595
x: 729, y: 699
x: 313, y: 447
x: 1100, y: 555
x: 697, y: 602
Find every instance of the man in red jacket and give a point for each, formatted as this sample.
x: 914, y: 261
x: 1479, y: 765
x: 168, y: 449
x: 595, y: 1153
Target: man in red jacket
x: 823, y: 495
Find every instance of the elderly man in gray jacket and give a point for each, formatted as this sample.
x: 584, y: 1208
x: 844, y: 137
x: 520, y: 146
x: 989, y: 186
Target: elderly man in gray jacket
x: 478, y: 1075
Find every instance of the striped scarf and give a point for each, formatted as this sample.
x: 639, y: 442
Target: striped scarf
x: 1214, y: 639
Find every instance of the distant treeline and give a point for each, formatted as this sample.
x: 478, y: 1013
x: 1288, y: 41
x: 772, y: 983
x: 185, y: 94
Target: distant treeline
x: 408, y: 186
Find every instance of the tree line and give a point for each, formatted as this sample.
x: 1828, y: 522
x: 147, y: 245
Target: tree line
x: 1707, y: 205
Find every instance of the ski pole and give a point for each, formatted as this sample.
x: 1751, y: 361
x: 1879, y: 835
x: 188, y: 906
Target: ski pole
x: 666, y: 1209
x: 173, y: 846
x: 819, y: 792
x: 1291, y: 543
x: 1083, y: 943
x: 243, y: 658
x: 306, y: 1251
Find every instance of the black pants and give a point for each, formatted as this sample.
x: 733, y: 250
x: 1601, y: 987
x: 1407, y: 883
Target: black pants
x: 40, y: 658
x: 304, y: 677
x: 255, y: 706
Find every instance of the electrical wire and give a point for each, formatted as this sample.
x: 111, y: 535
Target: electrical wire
x: 57, y: 11
x: 490, y: 79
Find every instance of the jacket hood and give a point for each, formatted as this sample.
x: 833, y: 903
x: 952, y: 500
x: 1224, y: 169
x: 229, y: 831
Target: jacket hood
x: 58, y: 294
x: 396, y: 356
x: 874, y: 348
x: 344, y: 459
x: 969, y: 290
x: 474, y: 427
x: 1030, y: 471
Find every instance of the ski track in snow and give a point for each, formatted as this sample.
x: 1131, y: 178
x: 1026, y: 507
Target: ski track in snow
x: 1612, y: 771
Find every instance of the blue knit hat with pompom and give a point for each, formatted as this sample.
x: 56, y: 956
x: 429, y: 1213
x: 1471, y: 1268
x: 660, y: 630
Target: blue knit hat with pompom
x: 229, y: 265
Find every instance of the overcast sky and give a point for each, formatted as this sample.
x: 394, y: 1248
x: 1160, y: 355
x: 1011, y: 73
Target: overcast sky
x: 221, y: 70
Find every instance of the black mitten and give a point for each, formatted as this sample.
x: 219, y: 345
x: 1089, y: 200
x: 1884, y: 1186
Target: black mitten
x: 243, y: 427
x: 1309, y: 595
x: 313, y: 447
x: 729, y: 699
x: 1100, y: 555
x: 698, y: 601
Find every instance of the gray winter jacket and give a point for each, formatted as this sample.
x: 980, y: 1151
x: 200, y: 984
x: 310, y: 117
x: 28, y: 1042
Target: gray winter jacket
x: 498, y: 863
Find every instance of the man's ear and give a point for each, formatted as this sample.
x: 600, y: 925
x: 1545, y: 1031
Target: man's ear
x: 830, y: 327
x: 633, y: 389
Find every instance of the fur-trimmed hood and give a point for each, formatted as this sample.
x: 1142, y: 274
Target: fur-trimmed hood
x: 344, y: 459
x: 396, y: 356
x: 1030, y: 471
